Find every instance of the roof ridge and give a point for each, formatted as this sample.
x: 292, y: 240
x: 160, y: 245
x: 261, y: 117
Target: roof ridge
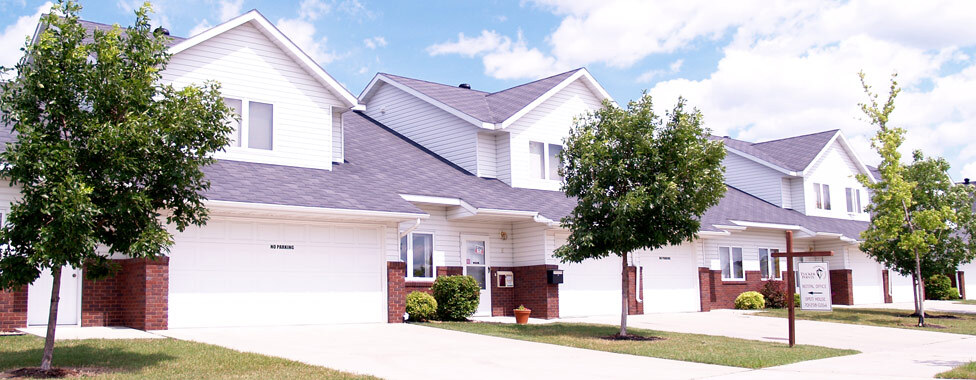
x: 796, y: 137
x: 431, y: 82
x: 537, y: 80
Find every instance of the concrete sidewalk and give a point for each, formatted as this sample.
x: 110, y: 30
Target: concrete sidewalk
x: 930, y: 306
x: 886, y: 352
x: 75, y: 332
x: 404, y: 351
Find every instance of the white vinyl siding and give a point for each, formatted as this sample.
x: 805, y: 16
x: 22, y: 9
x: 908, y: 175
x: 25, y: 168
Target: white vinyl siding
x: 338, y: 144
x: 531, y: 245
x: 787, y: 193
x: 548, y: 123
x: 444, y: 134
x: 504, y: 157
x: 447, y: 237
x: 753, y: 178
x: 750, y: 242
x: 487, y: 155
x: 835, y: 168
x: 250, y: 66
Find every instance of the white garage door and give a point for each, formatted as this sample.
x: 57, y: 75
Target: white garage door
x: 254, y: 273
x: 866, y: 275
x: 969, y: 271
x: 589, y: 288
x: 670, y: 280
x: 901, y: 287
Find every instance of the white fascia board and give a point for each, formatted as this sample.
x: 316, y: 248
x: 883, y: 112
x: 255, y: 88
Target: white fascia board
x: 582, y: 73
x: 282, y: 41
x: 446, y: 201
x: 312, y: 211
x: 763, y: 162
x: 726, y: 227
x: 774, y: 226
x: 446, y: 108
x: 707, y: 234
x: 838, y: 236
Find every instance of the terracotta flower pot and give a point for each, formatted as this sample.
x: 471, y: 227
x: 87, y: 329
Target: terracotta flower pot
x: 522, y: 316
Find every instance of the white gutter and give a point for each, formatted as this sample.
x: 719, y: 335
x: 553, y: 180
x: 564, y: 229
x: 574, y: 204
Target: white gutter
x: 311, y: 211
x: 409, y: 230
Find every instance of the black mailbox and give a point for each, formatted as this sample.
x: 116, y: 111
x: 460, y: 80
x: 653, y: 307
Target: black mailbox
x: 555, y: 276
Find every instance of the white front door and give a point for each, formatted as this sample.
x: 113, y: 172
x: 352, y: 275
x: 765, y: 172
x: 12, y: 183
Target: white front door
x: 475, y: 263
x: 39, y: 298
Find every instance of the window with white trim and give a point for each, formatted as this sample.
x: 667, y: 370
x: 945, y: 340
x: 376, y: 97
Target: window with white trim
x: 854, y: 200
x: 544, y: 162
x: 731, y: 259
x: 822, y: 193
x: 769, y: 265
x: 253, y: 124
x: 417, y: 250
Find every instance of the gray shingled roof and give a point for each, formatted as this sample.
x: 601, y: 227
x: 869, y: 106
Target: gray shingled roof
x: 487, y: 107
x: 91, y: 26
x: 792, y: 153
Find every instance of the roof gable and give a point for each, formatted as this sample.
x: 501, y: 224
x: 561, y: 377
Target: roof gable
x: 256, y: 19
x: 797, y: 152
x: 488, y: 110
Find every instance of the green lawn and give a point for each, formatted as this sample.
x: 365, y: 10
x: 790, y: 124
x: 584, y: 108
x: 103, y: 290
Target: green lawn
x: 158, y: 359
x: 962, y: 324
x: 965, y: 371
x: 688, y: 347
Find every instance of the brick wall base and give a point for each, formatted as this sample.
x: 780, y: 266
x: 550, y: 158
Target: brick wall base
x: 533, y: 290
x: 136, y: 297
x: 841, y: 287
x: 398, y: 287
x: 634, y: 307
x: 962, y: 284
x: 13, y: 309
x: 886, y: 286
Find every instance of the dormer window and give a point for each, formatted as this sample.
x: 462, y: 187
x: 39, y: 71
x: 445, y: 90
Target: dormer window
x: 254, y: 124
x: 854, y: 201
x: 823, y: 196
x: 544, y: 160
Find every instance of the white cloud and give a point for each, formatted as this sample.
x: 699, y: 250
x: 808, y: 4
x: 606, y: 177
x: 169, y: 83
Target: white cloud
x: 303, y: 34
x: 968, y: 171
x: 228, y: 9
x: 14, y: 36
x: 502, y: 57
x: 650, y: 75
x: 313, y: 9
x: 375, y: 42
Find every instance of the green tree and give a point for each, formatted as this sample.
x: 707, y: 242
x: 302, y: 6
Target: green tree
x: 920, y: 220
x: 105, y: 155
x: 641, y: 182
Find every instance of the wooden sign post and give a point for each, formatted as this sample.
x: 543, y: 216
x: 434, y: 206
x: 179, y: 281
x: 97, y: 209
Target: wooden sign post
x: 790, y: 286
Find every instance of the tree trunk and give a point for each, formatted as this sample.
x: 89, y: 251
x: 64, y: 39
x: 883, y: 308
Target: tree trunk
x: 624, y: 296
x: 52, y: 319
x: 921, y: 291
x: 915, y: 291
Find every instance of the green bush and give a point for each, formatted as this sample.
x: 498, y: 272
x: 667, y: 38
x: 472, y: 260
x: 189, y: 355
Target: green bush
x: 954, y: 293
x: 457, y: 297
x: 750, y: 301
x: 796, y: 299
x: 772, y: 292
x: 939, y: 287
x: 421, y: 306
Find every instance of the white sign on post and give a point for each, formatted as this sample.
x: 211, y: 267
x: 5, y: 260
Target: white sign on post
x: 814, y: 282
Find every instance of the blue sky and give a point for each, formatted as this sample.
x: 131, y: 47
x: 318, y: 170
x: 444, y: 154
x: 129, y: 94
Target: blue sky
x: 757, y: 69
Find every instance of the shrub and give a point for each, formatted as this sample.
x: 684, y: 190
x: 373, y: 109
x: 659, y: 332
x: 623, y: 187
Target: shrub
x: 954, y: 293
x: 772, y: 292
x: 938, y: 287
x: 457, y: 297
x: 796, y: 299
x: 421, y: 306
x: 750, y: 301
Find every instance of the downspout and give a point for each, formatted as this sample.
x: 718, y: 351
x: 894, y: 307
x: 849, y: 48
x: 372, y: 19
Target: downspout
x: 638, y: 276
x: 409, y: 230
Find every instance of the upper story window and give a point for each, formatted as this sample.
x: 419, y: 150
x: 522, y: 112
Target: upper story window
x: 769, y: 265
x: 544, y: 162
x: 823, y: 196
x: 731, y: 259
x: 254, y: 127
x: 417, y: 250
x: 854, y: 200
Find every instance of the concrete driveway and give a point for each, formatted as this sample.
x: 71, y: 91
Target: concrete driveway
x: 403, y: 351
x: 886, y: 352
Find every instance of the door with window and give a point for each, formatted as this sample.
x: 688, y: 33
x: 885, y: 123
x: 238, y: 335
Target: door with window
x: 475, y: 262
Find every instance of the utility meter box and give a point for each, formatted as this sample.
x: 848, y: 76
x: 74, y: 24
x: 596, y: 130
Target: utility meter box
x: 506, y: 279
x: 555, y: 276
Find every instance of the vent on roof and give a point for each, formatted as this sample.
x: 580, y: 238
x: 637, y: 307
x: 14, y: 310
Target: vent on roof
x: 161, y: 30
x: 465, y: 85
x: 965, y: 181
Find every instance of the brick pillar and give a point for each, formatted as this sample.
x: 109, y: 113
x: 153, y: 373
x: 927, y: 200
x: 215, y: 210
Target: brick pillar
x: 962, y: 284
x: 886, y: 286
x: 502, y: 299
x: 706, y: 291
x: 841, y: 287
x: 143, y: 291
x: 100, y: 304
x: 13, y: 309
x: 533, y: 290
x: 395, y: 291
x: 634, y: 307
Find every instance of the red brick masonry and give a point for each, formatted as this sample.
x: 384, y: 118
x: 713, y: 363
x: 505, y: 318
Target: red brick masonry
x: 635, y: 307
x: 841, y: 287
x: 13, y: 309
x: 886, y: 286
x: 962, y: 284
x: 716, y: 293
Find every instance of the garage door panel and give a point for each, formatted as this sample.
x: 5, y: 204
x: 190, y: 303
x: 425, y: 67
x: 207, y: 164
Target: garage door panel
x: 590, y: 288
x: 670, y: 280
x: 230, y: 275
